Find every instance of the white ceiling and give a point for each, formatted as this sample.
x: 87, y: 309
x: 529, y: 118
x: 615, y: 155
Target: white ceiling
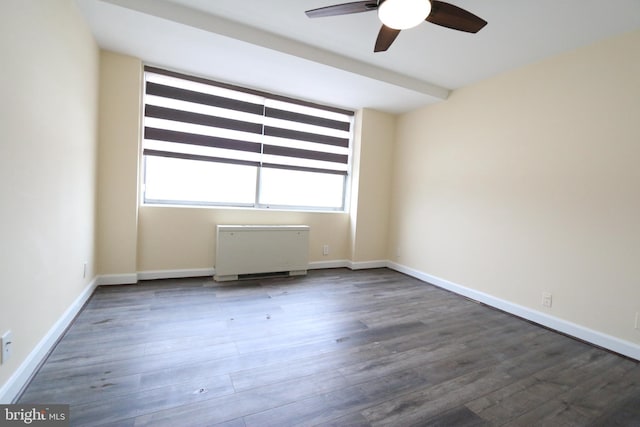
x: 273, y: 46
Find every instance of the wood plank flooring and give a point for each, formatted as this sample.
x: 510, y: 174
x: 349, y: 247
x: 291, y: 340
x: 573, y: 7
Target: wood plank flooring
x: 334, y: 348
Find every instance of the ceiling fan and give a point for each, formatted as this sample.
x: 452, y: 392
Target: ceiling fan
x: 397, y: 15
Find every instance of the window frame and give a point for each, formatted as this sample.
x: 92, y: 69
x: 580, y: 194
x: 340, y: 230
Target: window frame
x: 261, y: 165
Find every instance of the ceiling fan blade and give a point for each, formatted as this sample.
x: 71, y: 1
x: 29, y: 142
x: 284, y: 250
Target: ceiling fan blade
x: 343, y: 9
x: 450, y: 16
x: 386, y: 36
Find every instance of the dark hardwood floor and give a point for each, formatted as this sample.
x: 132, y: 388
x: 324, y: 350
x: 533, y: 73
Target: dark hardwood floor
x: 334, y: 348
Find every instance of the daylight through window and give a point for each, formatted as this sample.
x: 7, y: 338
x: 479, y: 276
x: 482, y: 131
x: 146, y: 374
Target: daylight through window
x: 208, y: 143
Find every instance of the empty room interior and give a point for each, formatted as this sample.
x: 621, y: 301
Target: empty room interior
x: 441, y: 228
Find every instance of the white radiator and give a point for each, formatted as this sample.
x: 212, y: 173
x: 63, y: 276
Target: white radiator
x: 255, y: 249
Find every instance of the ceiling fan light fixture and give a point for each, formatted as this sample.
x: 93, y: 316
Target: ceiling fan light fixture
x: 403, y: 14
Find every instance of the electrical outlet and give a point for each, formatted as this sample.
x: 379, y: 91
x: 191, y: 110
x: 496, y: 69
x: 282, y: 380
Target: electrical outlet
x: 637, y: 325
x: 547, y: 299
x: 325, y: 250
x: 84, y: 271
x: 6, y: 346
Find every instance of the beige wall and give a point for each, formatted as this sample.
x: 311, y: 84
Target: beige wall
x: 48, y: 119
x: 371, y: 189
x: 184, y: 238
x: 119, y: 136
x: 528, y: 183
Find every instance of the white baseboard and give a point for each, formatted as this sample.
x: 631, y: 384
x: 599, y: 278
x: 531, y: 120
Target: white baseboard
x: 319, y: 265
x: 175, y: 274
x: 364, y: 265
x: 125, y: 279
x: 600, y: 339
x: 9, y: 391
x: 345, y: 263
x: 117, y: 279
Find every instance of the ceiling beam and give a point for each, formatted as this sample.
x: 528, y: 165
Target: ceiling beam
x: 238, y: 31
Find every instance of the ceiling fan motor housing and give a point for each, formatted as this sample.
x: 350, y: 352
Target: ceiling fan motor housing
x: 403, y: 14
x: 397, y: 15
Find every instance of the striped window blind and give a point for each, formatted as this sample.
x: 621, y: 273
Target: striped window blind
x: 190, y: 118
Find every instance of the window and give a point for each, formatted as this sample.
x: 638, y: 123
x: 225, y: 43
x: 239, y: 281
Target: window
x: 209, y: 143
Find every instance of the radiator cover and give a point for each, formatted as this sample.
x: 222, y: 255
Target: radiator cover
x: 255, y: 249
